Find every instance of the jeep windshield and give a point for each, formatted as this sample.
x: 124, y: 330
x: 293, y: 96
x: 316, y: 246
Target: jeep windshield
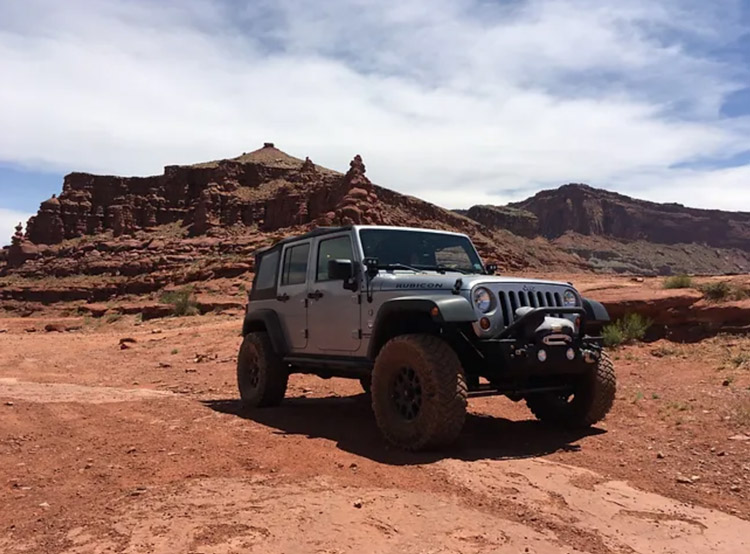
x: 420, y: 250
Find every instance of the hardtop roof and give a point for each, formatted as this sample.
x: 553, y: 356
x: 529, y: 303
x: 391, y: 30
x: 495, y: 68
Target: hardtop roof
x: 319, y: 231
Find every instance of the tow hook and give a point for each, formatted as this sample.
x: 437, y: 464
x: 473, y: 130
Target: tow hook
x: 590, y: 356
x: 519, y: 353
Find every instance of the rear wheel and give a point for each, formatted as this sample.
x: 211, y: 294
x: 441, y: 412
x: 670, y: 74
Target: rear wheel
x: 588, y: 404
x: 419, y: 392
x: 261, y: 374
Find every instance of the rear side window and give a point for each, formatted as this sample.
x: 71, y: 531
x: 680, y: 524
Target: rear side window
x: 339, y: 248
x: 268, y: 266
x: 295, y: 264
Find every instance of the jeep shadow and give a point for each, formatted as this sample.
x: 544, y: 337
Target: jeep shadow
x: 348, y: 421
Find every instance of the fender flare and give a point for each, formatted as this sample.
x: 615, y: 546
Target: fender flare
x: 450, y: 309
x: 595, y: 311
x: 269, y: 320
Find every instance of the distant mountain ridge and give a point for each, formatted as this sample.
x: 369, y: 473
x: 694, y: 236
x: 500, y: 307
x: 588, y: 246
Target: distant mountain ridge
x: 586, y: 210
x: 614, y: 232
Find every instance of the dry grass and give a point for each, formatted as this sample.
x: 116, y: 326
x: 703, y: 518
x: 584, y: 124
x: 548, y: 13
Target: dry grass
x: 741, y: 411
x: 678, y: 282
x: 182, y: 301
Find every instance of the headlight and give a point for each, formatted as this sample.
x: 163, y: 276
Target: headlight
x: 482, y: 299
x: 569, y: 298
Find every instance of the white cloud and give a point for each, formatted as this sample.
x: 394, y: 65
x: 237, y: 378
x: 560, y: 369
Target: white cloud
x: 457, y: 102
x: 8, y: 221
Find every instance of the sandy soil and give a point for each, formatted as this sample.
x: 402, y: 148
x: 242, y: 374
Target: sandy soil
x: 143, y: 448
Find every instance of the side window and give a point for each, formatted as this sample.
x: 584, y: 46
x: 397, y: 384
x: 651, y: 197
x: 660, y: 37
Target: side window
x: 295, y: 264
x: 267, y: 270
x: 339, y: 248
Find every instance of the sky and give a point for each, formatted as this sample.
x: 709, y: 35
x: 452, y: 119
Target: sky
x: 457, y: 102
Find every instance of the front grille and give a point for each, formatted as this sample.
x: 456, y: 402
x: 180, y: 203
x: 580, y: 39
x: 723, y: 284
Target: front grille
x: 511, y: 300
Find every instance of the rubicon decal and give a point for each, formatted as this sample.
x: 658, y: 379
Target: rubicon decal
x: 418, y: 285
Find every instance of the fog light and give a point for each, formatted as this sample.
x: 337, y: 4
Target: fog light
x: 541, y: 355
x: 484, y: 323
x: 570, y: 354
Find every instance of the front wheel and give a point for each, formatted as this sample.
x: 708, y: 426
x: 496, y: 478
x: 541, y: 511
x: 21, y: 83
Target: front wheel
x: 261, y: 374
x: 591, y: 400
x: 419, y: 392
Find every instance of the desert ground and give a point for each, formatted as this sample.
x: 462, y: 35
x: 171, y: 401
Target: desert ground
x: 121, y: 435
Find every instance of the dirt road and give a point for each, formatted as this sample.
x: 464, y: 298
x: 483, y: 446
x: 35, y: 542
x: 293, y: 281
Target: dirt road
x: 143, y: 448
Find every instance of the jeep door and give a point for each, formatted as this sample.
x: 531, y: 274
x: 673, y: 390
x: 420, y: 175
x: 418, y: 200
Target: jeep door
x: 333, y: 313
x: 291, y: 296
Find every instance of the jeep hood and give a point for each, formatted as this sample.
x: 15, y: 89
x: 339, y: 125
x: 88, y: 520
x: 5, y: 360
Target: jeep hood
x: 431, y: 280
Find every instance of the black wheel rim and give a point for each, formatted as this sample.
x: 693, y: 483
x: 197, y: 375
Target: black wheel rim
x: 252, y: 368
x: 407, y: 393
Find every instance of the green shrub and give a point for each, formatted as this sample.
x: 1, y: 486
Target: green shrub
x: 678, y: 282
x: 612, y: 336
x: 723, y: 291
x: 716, y: 291
x: 626, y: 330
x: 182, y: 301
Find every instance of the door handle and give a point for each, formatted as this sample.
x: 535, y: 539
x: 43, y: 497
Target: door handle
x: 317, y: 295
x: 282, y: 297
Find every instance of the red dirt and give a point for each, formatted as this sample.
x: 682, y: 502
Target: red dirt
x: 145, y: 449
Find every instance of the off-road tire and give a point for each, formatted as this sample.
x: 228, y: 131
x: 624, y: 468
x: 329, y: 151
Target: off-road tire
x: 261, y: 374
x: 591, y: 401
x: 442, y: 390
x: 366, y: 383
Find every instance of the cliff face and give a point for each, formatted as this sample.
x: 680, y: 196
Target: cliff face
x: 519, y: 222
x: 204, y: 196
x: 589, y: 211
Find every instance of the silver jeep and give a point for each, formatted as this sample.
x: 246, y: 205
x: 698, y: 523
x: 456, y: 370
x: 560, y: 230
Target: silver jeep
x: 417, y: 317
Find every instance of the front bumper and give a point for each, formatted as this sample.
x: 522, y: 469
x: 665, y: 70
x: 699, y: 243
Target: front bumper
x: 516, y: 358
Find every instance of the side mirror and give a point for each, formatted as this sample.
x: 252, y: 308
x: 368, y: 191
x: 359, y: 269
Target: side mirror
x: 343, y: 270
x: 340, y: 270
x: 490, y: 269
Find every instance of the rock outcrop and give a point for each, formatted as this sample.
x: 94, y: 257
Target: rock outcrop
x: 199, y: 197
x: 588, y: 211
x: 266, y: 190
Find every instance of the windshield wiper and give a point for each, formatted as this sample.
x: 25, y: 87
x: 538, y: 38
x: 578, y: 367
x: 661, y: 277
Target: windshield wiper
x: 400, y: 266
x: 444, y: 268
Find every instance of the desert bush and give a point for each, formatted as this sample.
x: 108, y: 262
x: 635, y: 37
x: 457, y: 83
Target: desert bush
x: 182, y: 301
x: 612, y: 336
x: 723, y: 291
x: 626, y: 330
x: 716, y: 291
x: 678, y: 282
